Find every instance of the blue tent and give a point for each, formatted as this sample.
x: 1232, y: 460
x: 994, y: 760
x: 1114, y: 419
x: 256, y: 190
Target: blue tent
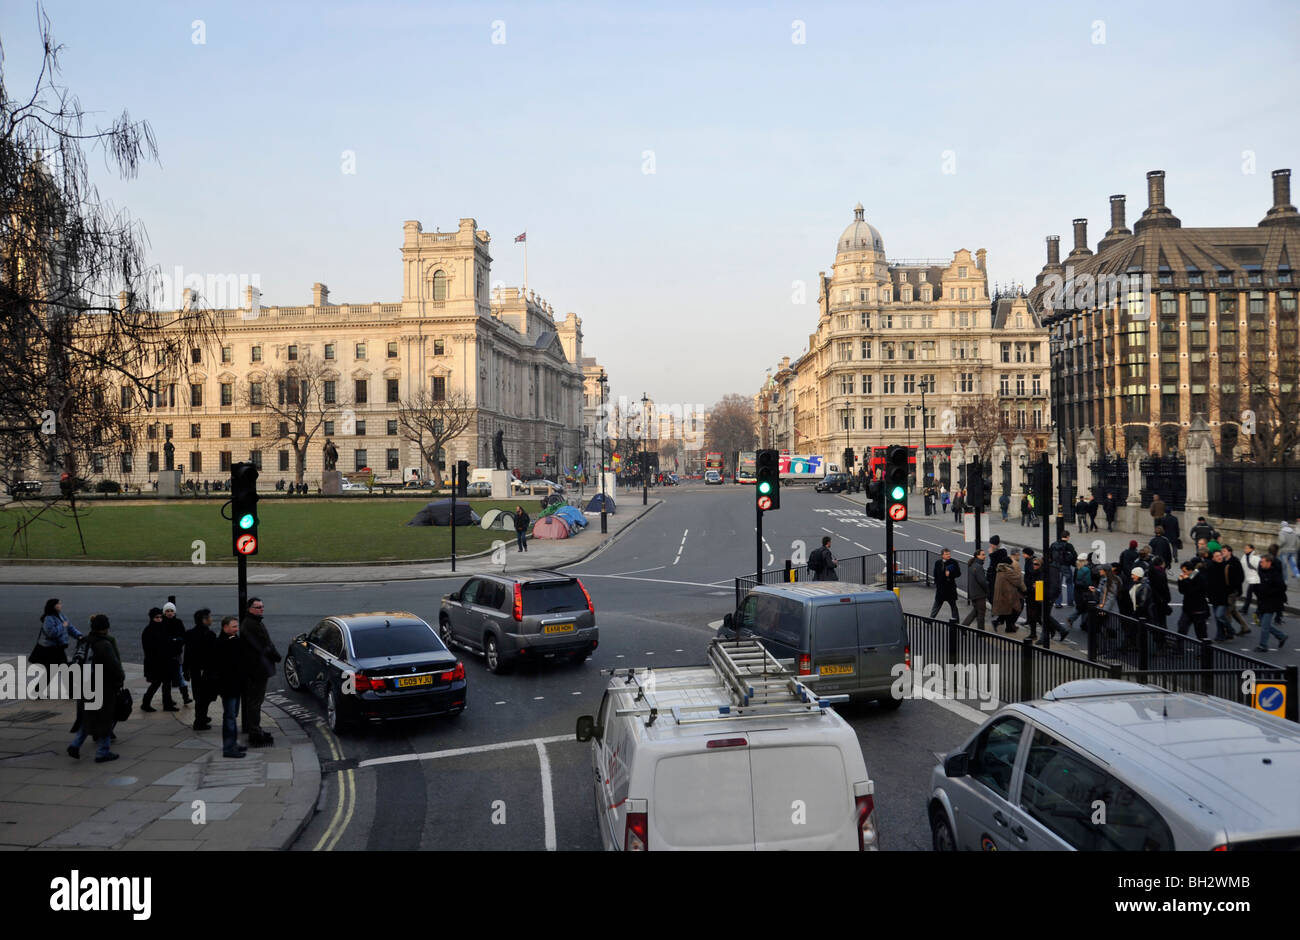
x: 573, y: 516
x: 594, y: 505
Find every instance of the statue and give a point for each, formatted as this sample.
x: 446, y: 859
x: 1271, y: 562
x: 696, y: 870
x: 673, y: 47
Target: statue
x: 331, y: 455
x: 169, y: 455
x: 499, y: 451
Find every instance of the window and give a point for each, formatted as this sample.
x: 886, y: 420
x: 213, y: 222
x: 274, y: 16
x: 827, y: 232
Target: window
x: 126, y: 397
x: 196, y: 356
x: 961, y: 271
x: 1255, y: 305
x: 196, y: 461
x: 225, y: 429
x: 846, y: 385
x: 392, y: 390
x: 329, y: 428
x: 909, y: 418
x: 1060, y: 789
x: 844, y: 351
x: 361, y: 427
x: 393, y: 459
x: 1004, y: 384
x: 1194, y: 276
x: 866, y: 317
x: 927, y: 350
x: 255, y: 458
x: 359, y: 459
x: 225, y: 459
x: 887, y: 383
x: 255, y: 393
x: 153, y: 461
x: 891, y: 419
x: 329, y: 350
x: 909, y: 384
x: 362, y: 391
x: 331, y: 392
x: 255, y: 354
x: 966, y: 382
x: 227, y: 394
x: 392, y: 350
x: 359, y: 351
x: 196, y: 430
x: 1197, y: 305
x: 1020, y: 321
x: 392, y: 427
x: 930, y: 415
x: 1021, y: 355
x: 284, y: 429
x: 167, y: 431
x: 283, y: 455
x: 886, y: 350
x: 293, y: 353
x: 909, y: 350
x: 886, y: 319
x: 905, y: 321
x: 1168, y: 306
x: 439, y: 347
x: 1038, y: 385
x: 867, y: 383
x: 1006, y: 352
x: 227, y: 354
x: 439, y: 388
x: 1033, y: 352
x: 439, y: 285
x: 1020, y: 385
x: 151, y: 432
x: 846, y: 421
x: 255, y: 429
x: 125, y: 463
x: 866, y: 349
x: 868, y: 419
x: 963, y: 293
x: 196, y: 396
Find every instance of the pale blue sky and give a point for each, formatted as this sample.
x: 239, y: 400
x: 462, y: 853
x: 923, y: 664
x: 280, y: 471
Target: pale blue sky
x: 761, y: 145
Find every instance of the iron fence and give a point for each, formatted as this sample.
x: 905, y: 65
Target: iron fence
x: 911, y: 566
x: 1110, y: 475
x: 1166, y: 477
x: 1249, y: 491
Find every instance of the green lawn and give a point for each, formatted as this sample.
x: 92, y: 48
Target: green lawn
x: 357, y: 529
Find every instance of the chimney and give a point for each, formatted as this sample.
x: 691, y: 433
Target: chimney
x: 1157, y: 214
x: 1118, y: 231
x: 1282, y: 213
x: 1053, y: 251
x: 320, y: 295
x: 1081, y: 248
x: 979, y: 259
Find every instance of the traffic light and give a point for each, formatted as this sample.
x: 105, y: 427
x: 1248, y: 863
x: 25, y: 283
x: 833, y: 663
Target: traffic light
x: 987, y: 504
x: 896, y: 483
x: 850, y: 458
x: 767, y: 479
x: 243, y: 508
x: 1043, y: 488
x: 975, y: 485
x: 462, y: 477
x: 875, y: 500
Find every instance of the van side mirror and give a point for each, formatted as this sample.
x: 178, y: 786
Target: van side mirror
x: 587, y: 728
x: 454, y: 596
x: 956, y: 765
x: 728, y: 622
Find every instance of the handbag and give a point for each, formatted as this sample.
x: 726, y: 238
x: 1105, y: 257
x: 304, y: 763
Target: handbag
x: 122, y: 705
x: 46, y: 655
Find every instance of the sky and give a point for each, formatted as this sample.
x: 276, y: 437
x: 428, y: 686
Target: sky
x: 678, y: 167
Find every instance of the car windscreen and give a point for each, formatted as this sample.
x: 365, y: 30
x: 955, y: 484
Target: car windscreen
x: 551, y: 597
x: 400, y: 639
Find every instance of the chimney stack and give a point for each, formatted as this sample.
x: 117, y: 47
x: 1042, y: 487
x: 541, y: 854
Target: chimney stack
x: 1053, y: 251
x: 1156, y: 189
x: 320, y: 295
x: 1118, y: 230
x: 979, y: 259
x: 1282, y: 213
x: 1157, y: 214
x: 1081, y: 248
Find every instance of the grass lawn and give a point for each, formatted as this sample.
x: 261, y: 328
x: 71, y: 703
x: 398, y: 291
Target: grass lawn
x: 351, y: 529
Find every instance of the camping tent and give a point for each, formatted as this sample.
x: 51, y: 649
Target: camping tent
x: 550, y: 527
x: 498, y: 519
x: 553, y: 499
x: 572, y: 516
x: 594, y: 505
x: 439, y: 513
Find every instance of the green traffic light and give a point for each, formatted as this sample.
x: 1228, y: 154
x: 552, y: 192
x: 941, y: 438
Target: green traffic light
x: 765, y: 487
x: 246, y: 521
x: 896, y: 493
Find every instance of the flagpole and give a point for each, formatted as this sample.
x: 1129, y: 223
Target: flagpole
x: 525, y: 260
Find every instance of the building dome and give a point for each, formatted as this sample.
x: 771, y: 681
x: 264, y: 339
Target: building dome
x: 860, y: 236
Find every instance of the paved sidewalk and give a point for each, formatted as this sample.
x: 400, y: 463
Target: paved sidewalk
x: 145, y: 799
x: 541, y: 554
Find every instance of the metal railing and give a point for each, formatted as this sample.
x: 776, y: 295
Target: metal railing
x: 911, y: 566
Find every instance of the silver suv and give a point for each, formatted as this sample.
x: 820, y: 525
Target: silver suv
x: 1106, y: 765
x: 522, y: 619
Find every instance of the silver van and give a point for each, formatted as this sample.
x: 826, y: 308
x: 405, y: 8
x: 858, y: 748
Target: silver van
x: 1106, y: 765
x: 841, y: 638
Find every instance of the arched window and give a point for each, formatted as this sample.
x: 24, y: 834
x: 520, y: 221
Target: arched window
x: 439, y: 285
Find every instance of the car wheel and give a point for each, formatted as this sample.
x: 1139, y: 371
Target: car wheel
x: 292, y: 678
x: 942, y: 832
x: 492, y: 653
x: 579, y: 658
x: 444, y: 631
x: 890, y: 704
x: 333, y: 717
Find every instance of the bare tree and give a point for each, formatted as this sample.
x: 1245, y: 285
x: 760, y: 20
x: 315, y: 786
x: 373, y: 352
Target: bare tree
x: 730, y: 426
x: 670, y: 449
x: 1269, y: 425
x: 432, y: 423
x: 297, y: 397
x: 981, y: 420
x: 81, y: 352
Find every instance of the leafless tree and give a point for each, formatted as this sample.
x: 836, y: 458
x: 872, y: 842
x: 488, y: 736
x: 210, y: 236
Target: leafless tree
x: 981, y: 420
x: 432, y: 422
x: 297, y: 397
x: 1275, y: 414
x: 730, y: 426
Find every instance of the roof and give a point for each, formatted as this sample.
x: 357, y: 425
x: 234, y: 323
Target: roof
x: 860, y: 235
x: 820, y: 589
x: 372, y: 619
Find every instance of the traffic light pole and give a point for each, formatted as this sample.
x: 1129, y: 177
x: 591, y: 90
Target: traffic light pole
x: 1049, y: 622
x: 758, y: 544
x: 455, y: 485
x: 243, y: 585
x: 889, y: 551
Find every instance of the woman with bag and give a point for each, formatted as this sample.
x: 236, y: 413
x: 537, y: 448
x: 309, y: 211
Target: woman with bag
x: 1008, y: 594
x: 98, y: 722
x: 52, y: 640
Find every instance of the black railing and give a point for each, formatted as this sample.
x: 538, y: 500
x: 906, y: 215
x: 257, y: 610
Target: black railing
x: 1110, y: 475
x: 911, y: 566
x: 1167, y: 478
x: 1249, y: 491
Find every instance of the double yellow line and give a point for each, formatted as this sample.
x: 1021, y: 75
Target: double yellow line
x: 347, y: 801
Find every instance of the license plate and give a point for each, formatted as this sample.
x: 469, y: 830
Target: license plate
x: 558, y: 628
x: 840, y: 669
x: 410, y: 682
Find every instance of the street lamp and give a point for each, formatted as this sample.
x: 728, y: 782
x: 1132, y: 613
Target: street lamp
x: 604, y: 524
x: 645, y: 457
x: 925, y: 454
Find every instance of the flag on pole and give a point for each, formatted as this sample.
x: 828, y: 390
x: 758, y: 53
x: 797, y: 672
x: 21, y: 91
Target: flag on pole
x: 522, y: 237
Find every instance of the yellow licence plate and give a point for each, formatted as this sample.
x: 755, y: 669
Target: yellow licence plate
x: 410, y: 682
x: 558, y: 628
x: 841, y: 669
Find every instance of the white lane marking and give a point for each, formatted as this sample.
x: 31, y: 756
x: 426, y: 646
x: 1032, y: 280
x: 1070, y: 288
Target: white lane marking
x: 824, y: 529
x: 462, y: 751
x: 653, y: 580
x: 548, y: 807
x: 957, y: 708
x: 538, y: 698
x: 575, y: 693
x: 928, y: 542
x: 641, y: 570
x: 677, y: 651
x: 619, y: 656
x: 498, y: 703
x: 649, y: 653
x: 861, y: 546
x: 685, y: 533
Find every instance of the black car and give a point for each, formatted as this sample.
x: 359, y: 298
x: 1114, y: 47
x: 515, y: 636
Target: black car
x: 374, y: 667
x: 834, y: 483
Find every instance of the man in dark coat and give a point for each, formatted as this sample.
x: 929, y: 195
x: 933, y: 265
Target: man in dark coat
x: 997, y: 556
x: 262, y: 657
x: 1271, y: 596
x: 198, y: 658
x: 1172, y: 530
x: 1128, y: 558
x: 1216, y: 593
x: 158, y: 650
x: 176, y: 632
x: 1034, y: 576
x: 98, y: 722
x: 946, y: 573
x: 1093, y: 506
x: 1161, y: 547
x: 822, y: 561
x: 1063, y: 558
x: 229, y: 671
x: 521, y: 529
x: 1081, y: 514
x: 1159, y: 608
x: 1196, y: 606
x: 977, y: 589
x: 1236, y: 583
x: 1024, y: 510
x: 1109, y: 506
x: 1157, y: 508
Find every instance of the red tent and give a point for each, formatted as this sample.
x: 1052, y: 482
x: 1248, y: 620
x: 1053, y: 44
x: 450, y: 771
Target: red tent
x: 550, y: 527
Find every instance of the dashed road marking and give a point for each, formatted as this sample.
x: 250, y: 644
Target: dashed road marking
x: 498, y: 703
x: 462, y: 751
x: 538, y: 698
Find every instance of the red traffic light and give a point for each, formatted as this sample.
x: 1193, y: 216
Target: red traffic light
x: 246, y: 544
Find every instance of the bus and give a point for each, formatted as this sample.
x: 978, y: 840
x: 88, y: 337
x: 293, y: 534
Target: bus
x: 746, y: 467
x: 713, y: 461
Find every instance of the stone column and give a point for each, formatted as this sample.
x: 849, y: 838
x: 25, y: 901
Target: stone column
x: 1019, y: 457
x: 956, y: 459
x: 999, y: 455
x: 1200, y: 456
x: 1131, y: 511
x: 1085, y: 452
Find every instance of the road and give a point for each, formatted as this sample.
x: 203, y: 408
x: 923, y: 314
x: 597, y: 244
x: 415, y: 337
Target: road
x: 507, y: 773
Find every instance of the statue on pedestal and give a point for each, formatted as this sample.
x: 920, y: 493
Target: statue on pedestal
x: 499, y: 451
x: 169, y: 455
x: 331, y: 455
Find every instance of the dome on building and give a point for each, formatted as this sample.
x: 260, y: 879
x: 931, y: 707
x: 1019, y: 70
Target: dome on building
x: 860, y: 236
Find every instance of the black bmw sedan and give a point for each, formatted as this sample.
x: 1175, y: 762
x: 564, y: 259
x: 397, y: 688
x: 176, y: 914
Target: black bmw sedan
x: 376, y: 666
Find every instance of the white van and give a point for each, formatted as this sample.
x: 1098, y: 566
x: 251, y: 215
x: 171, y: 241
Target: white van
x: 735, y: 755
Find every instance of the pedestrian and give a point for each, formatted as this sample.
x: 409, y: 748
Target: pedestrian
x: 521, y: 529
x: 1236, y: 580
x: 1196, y: 606
x: 1159, y: 606
x: 977, y: 589
x: 1110, y: 507
x: 261, y: 656
x: 1085, y: 595
x: 98, y: 721
x: 1250, y: 570
x: 1172, y: 532
x: 1288, y: 544
x: 198, y: 664
x: 230, y: 674
x: 1034, y: 606
x: 1081, y: 513
x: 1161, y: 547
x: 1128, y: 558
x: 1064, y: 557
x: 1272, y: 598
x: 158, y: 651
x: 1203, y: 530
x: 1093, y: 506
x: 176, y: 631
x: 1004, y: 503
x: 997, y: 556
x: 52, y: 637
x: 1033, y: 510
x: 1216, y: 594
x: 943, y: 494
x: 1025, y: 510
x: 958, y: 506
x: 1140, y: 600
x: 1008, y: 593
x: 1157, y: 508
x: 822, y: 562
x: 946, y: 573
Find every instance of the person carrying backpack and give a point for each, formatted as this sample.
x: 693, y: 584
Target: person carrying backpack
x: 822, y: 562
x: 98, y: 721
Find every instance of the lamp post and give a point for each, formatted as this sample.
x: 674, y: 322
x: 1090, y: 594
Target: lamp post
x: 925, y: 454
x: 604, y: 523
x: 645, y: 457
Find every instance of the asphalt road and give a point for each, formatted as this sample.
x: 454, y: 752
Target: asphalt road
x: 515, y: 778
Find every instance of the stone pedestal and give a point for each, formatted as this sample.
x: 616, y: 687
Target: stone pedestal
x: 1200, y: 456
x: 1085, y: 453
x: 611, y: 486
x: 169, y: 483
x: 1019, y: 457
x: 501, y: 484
x: 331, y: 483
x: 1131, y: 516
